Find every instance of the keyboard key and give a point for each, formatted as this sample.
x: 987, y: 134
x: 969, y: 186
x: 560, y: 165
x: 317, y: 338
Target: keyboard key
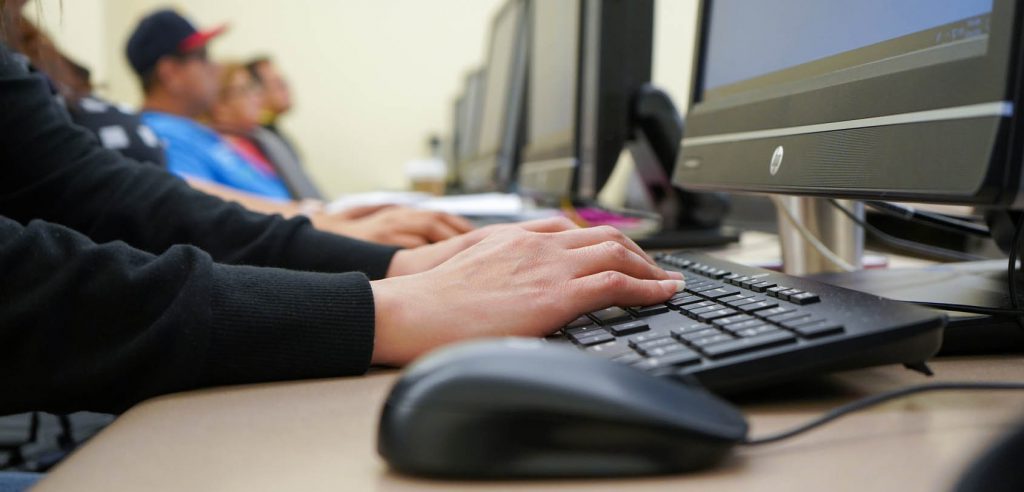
x: 719, y: 292
x: 757, y: 306
x: 793, y: 323
x: 646, y: 337
x: 630, y: 358
x: 667, y: 349
x: 754, y: 331
x: 733, y: 328
x: 787, y: 294
x: 645, y: 311
x: 703, y: 288
x: 728, y: 320
x: 730, y: 277
x: 594, y: 339
x: 713, y: 339
x: 717, y: 273
x: 700, y: 307
x: 582, y: 331
x: 674, y: 359
x: 579, y: 322
x: 774, y: 291
x: 610, y: 315
x: 628, y: 328
x: 611, y: 349
x: 780, y: 318
x: 653, y: 344
x: 741, y: 345
x: 690, y: 328
x: 697, y: 334
x: 689, y: 304
x: 775, y: 310
x: 762, y: 286
x: 733, y: 298
x: 713, y: 315
x: 741, y: 280
x: 805, y: 298
x: 818, y: 329
x: 685, y: 298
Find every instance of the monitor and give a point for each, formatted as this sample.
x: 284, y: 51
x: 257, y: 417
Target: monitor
x: 876, y: 99
x: 492, y: 166
x: 589, y: 59
x: 467, y: 117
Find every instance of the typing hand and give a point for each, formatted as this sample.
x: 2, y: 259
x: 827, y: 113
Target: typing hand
x: 399, y: 226
x: 424, y: 258
x: 514, y: 282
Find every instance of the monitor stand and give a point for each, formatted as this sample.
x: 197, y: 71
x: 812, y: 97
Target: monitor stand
x: 688, y: 219
x: 833, y: 228
x: 975, y: 283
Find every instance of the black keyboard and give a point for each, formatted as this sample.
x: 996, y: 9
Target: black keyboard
x: 737, y: 326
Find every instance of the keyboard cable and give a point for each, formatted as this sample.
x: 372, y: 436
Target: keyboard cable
x: 878, y: 399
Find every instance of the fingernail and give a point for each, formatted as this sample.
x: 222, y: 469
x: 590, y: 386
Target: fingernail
x: 678, y: 285
x: 675, y: 275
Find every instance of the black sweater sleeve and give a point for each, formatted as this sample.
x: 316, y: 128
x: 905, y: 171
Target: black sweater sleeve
x: 86, y: 326
x: 56, y: 172
x: 88, y: 322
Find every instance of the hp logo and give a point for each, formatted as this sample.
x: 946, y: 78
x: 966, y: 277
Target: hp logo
x: 776, y: 160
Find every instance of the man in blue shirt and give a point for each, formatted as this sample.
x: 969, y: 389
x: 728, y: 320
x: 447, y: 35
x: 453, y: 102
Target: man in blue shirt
x: 180, y: 84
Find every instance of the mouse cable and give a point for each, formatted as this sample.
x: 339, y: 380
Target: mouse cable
x: 904, y: 244
x: 936, y: 220
x: 873, y: 400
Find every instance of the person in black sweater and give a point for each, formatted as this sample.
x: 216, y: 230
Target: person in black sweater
x: 119, y: 282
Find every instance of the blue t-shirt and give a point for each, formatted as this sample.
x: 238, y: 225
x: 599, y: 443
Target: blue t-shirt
x: 196, y: 151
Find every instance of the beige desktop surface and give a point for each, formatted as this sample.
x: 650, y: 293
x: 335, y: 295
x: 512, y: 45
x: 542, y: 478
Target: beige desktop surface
x: 320, y: 435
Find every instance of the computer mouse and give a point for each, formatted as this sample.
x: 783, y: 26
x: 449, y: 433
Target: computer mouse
x: 528, y: 408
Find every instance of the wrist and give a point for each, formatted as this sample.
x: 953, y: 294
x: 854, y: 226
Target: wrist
x: 389, y: 316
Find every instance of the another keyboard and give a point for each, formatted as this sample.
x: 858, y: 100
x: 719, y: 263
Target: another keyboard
x: 737, y: 326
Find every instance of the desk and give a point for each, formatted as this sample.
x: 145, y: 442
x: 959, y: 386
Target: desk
x: 320, y: 435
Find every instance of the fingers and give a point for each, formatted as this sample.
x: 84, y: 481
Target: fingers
x: 361, y: 211
x: 553, y: 224
x: 459, y: 224
x: 403, y: 240
x: 580, y: 238
x: 613, y: 288
x: 613, y: 256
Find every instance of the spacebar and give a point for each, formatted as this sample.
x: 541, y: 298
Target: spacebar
x: 741, y: 345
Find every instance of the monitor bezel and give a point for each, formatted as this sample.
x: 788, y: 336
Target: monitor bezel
x: 731, y: 148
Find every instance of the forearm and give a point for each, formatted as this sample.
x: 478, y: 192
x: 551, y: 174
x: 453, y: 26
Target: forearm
x: 101, y: 327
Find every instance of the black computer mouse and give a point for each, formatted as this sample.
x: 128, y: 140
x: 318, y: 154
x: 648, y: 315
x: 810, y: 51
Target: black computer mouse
x: 527, y: 408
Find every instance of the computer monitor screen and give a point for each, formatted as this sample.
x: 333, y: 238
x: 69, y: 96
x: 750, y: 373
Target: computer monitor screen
x: 549, y: 155
x: 907, y: 99
x: 588, y: 60
x: 503, y: 86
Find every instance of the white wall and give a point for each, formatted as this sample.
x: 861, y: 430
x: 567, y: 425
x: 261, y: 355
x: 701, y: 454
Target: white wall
x: 372, y: 78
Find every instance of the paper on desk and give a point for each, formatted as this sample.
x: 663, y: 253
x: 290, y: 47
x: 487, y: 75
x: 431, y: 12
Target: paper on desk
x: 480, y: 204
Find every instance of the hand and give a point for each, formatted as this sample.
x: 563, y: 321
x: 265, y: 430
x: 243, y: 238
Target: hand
x: 423, y: 258
x: 399, y: 226
x: 514, y: 282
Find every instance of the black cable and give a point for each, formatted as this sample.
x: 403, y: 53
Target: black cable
x: 1011, y: 273
x: 871, y: 401
x: 905, y: 244
x: 963, y: 308
x: 935, y: 220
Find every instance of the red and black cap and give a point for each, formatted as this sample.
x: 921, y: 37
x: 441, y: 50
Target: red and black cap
x: 164, y: 33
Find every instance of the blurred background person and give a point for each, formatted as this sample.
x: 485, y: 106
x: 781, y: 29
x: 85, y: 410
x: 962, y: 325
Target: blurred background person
x: 276, y: 101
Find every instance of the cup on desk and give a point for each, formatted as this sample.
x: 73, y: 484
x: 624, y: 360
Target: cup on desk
x: 427, y: 175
